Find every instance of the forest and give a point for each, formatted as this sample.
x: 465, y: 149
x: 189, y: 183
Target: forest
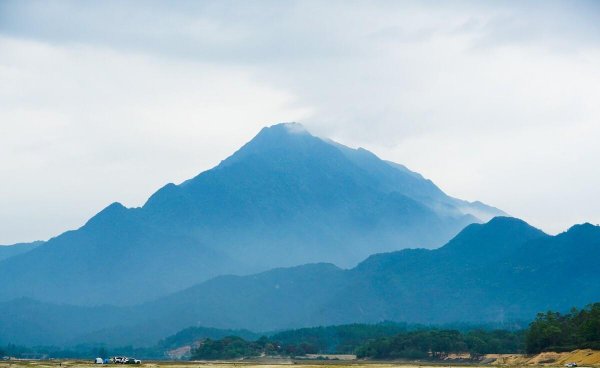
x: 553, y: 331
x: 366, y: 341
x: 549, y: 331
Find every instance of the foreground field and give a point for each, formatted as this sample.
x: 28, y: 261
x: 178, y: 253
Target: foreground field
x: 82, y: 364
x: 584, y: 358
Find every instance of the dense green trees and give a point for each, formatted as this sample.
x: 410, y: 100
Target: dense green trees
x: 550, y: 331
x: 341, y: 339
x: 233, y: 347
x: 382, y: 341
x: 191, y: 334
x: 437, y: 344
x: 561, y: 332
x: 229, y: 347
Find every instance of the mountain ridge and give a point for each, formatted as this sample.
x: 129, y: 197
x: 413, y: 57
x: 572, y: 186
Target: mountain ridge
x: 284, y: 198
x: 8, y: 251
x: 413, y: 285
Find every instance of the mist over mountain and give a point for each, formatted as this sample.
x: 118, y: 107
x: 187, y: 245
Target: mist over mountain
x: 499, y: 272
x: 285, y: 198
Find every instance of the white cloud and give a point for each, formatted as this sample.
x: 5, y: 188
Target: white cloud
x: 109, y: 101
x: 82, y: 127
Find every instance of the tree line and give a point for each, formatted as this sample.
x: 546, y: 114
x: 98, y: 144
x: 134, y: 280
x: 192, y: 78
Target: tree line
x: 367, y: 341
x: 438, y: 344
x: 553, y: 331
x: 549, y: 331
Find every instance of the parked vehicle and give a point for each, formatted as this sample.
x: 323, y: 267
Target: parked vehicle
x: 125, y: 360
x: 571, y: 365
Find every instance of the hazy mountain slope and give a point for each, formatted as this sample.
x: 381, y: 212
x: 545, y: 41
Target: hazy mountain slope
x: 116, y: 258
x: 453, y: 283
x: 29, y: 322
x: 501, y: 271
x: 26, y: 321
x: 284, y: 296
x: 304, y: 191
x: 285, y: 198
x: 429, y: 191
x: 7, y: 251
x: 559, y: 270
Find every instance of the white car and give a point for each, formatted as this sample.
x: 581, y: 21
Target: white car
x: 571, y: 365
x: 125, y: 360
x: 119, y: 360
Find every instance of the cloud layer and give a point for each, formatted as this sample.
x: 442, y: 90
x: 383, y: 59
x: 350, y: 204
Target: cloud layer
x: 109, y: 101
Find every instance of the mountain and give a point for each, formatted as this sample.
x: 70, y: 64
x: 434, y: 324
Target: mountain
x: 457, y: 282
x: 7, y: 251
x: 498, y: 272
x: 33, y: 323
x: 285, y: 198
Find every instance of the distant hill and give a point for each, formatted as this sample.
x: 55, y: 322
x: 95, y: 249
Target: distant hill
x: 7, y: 251
x: 459, y: 282
x: 285, y: 198
x: 498, y: 272
x: 190, y: 335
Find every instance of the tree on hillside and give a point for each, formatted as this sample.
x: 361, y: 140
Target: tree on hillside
x: 558, y: 332
x: 230, y: 347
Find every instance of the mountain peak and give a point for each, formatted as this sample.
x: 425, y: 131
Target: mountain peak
x: 109, y: 213
x: 499, y: 235
x: 277, y: 139
x: 279, y: 134
x: 506, y: 221
x: 282, y: 129
x: 285, y: 198
x: 291, y: 127
x: 579, y: 230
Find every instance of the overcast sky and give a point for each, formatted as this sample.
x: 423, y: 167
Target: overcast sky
x: 104, y: 101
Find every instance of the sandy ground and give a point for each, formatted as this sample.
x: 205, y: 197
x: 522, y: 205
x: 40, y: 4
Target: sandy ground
x: 583, y: 358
